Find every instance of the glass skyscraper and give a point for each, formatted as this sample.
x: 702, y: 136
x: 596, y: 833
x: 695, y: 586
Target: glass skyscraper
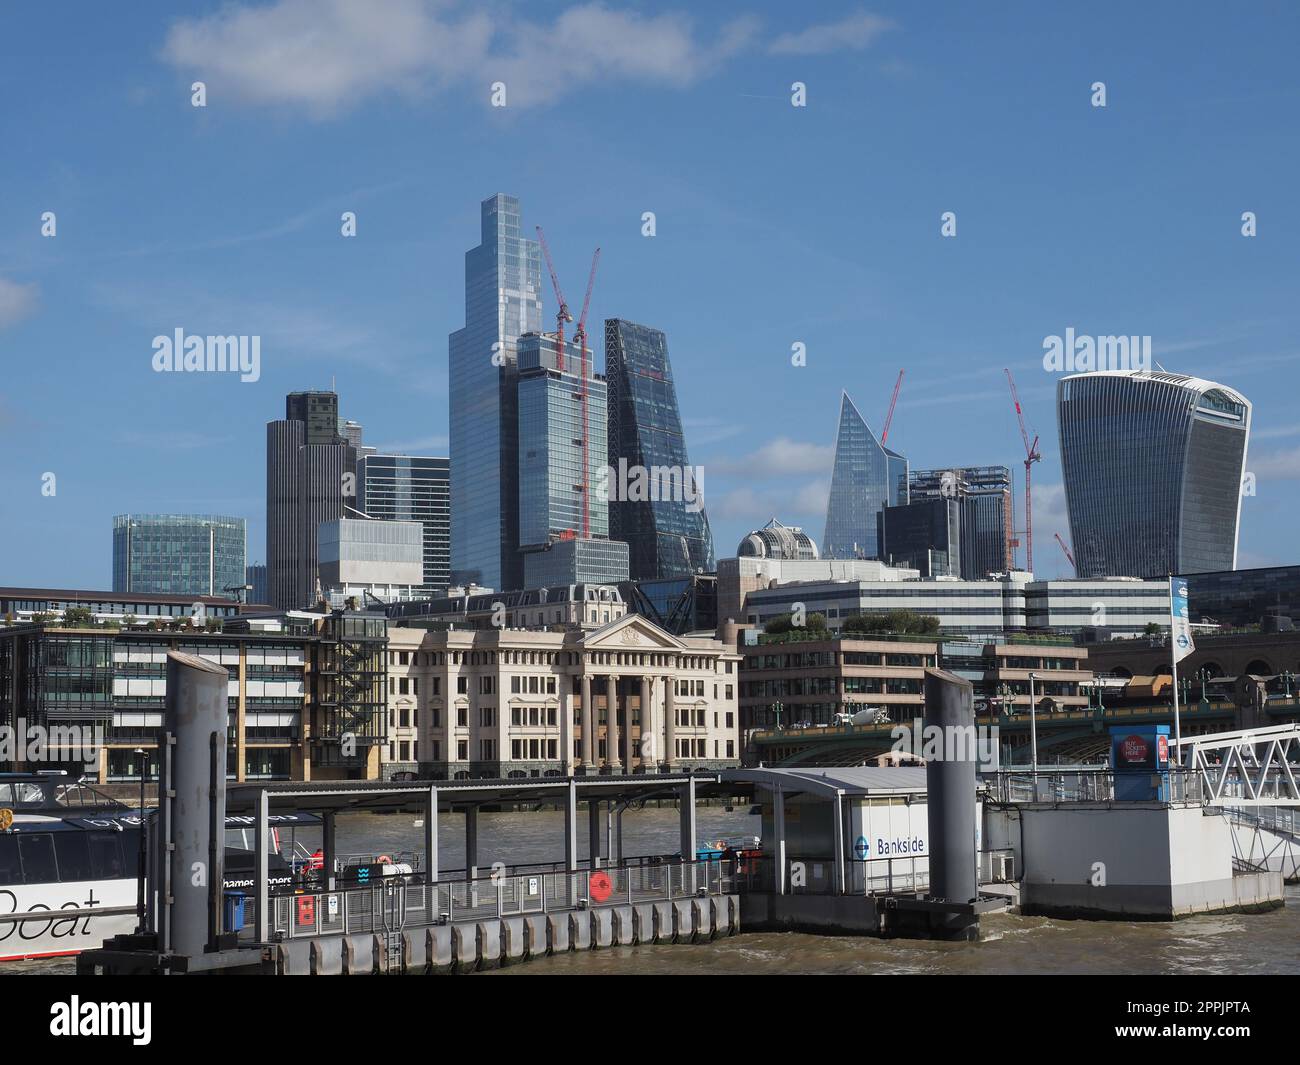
x: 667, y: 538
x: 865, y: 478
x: 413, y: 488
x: 179, y: 554
x: 551, y: 484
x: 1153, y: 466
x: 502, y: 302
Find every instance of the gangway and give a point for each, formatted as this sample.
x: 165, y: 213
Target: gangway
x: 1246, y: 767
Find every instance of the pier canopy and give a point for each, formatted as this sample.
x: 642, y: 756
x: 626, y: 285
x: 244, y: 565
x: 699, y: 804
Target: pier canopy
x: 412, y: 796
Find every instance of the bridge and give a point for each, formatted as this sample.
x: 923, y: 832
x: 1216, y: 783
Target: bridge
x: 1064, y: 736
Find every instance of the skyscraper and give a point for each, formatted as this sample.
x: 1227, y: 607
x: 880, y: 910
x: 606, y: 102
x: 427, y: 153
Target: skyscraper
x: 178, y: 554
x: 560, y: 544
x: 666, y: 537
x: 502, y: 302
x: 1152, y: 465
x: 413, y: 488
x: 310, y: 478
x: 984, y: 493
x: 924, y: 535
x: 865, y: 477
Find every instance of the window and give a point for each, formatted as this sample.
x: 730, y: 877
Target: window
x: 462, y: 750
x: 37, y: 853
x: 462, y: 685
x: 73, y: 852
x: 106, y: 853
x: 462, y: 716
x: 403, y: 687
x: 11, y: 872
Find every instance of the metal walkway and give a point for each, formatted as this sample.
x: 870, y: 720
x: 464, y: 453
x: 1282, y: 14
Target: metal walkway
x: 1247, y: 767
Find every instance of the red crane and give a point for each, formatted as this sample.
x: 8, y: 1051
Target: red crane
x: 562, y: 315
x: 580, y: 335
x: 884, y: 433
x: 1066, y: 550
x: 1032, y: 455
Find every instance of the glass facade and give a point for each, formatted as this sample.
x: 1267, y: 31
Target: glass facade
x: 1152, y: 465
x: 502, y: 302
x: 413, y: 488
x: 924, y: 535
x: 986, y: 510
x: 866, y: 477
x: 666, y: 537
x: 577, y: 561
x: 178, y: 554
x: 551, y: 484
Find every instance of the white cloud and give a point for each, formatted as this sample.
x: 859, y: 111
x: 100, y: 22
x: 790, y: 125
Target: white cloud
x: 857, y: 31
x: 1278, y: 466
x: 780, y: 457
x: 328, y: 55
x: 16, y: 301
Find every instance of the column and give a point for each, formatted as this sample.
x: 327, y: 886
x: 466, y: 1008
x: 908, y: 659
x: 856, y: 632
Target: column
x: 647, y: 725
x: 588, y: 723
x: 566, y: 721
x: 611, y: 727
x: 431, y: 839
x: 670, y: 722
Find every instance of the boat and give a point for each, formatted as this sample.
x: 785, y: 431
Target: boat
x: 66, y: 847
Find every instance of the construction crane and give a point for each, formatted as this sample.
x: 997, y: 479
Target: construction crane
x: 1066, y: 550
x: 562, y: 315
x: 1032, y: 455
x: 884, y: 433
x: 580, y: 335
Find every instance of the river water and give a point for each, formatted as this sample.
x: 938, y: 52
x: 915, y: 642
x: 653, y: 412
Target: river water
x: 1234, y: 944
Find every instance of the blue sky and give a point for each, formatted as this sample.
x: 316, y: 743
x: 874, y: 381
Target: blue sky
x: 775, y: 225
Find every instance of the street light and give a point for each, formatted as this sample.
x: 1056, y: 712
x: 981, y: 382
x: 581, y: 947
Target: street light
x: 1033, y: 729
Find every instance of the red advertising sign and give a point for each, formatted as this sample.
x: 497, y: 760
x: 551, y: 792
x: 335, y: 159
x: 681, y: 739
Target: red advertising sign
x: 306, y: 910
x: 1162, y: 749
x: 1133, y: 749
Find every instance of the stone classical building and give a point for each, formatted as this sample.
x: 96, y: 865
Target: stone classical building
x: 531, y: 702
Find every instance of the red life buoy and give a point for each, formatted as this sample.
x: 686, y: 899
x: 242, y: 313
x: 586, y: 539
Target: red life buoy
x: 601, y: 887
x: 383, y: 859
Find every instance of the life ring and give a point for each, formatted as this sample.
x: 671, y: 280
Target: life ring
x: 383, y: 859
x: 601, y: 886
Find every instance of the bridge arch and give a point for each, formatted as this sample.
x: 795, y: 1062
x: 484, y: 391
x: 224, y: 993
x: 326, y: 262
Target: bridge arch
x: 1259, y: 667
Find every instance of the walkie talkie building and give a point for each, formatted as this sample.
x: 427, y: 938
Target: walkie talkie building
x: 1153, y: 466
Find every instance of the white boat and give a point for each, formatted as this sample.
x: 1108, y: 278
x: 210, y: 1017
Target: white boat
x: 52, y: 860
x: 65, y: 848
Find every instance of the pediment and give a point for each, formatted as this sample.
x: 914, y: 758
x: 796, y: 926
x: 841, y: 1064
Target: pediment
x: 631, y: 632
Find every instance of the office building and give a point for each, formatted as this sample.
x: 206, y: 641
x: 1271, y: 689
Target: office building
x: 984, y: 493
x: 583, y: 606
x: 178, y: 554
x: 866, y: 477
x: 255, y: 579
x: 310, y: 478
x: 503, y: 301
x: 676, y: 604
x: 984, y: 608
x: 413, y: 488
x: 576, y: 560
x: 924, y: 535
x: 626, y: 697
x: 1152, y: 465
x: 667, y: 532
x: 738, y: 577
x: 1243, y: 597
x: 371, y: 559
x: 307, y: 691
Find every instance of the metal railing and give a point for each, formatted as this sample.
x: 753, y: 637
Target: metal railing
x: 399, y: 902
x: 816, y: 875
x: 1084, y: 785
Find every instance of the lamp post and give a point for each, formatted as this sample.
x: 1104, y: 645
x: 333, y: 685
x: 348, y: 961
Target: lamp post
x: 1033, y: 729
x: 777, y: 708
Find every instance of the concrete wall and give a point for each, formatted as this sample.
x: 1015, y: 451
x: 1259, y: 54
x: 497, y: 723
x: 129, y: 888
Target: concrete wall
x: 1137, y: 860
